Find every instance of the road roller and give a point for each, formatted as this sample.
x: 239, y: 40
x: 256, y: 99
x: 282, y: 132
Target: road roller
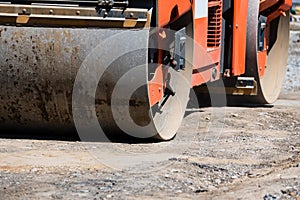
x: 126, y: 67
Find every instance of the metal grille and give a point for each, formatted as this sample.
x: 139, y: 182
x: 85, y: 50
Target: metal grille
x: 214, y: 30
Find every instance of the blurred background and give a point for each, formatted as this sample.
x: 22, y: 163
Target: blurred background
x: 292, y: 79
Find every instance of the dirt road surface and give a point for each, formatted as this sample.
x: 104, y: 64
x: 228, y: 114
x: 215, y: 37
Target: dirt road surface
x: 219, y: 153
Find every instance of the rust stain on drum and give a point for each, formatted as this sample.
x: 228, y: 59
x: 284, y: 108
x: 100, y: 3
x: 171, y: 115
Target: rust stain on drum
x: 38, y: 69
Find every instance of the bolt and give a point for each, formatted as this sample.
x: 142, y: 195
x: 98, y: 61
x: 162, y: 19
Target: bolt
x: 105, y: 14
x: 282, y: 12
x: 236, y: 26
x: 173, y: 63
x: 227, y: 73
x: 214, y: 73
x: 163, y: 34
x: 24, y: 11
x: 78, y: 12
x: 131, y: 14
x: 51, y: 11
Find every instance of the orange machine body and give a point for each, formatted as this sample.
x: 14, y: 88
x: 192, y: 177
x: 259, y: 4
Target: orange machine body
x: 207, y: 36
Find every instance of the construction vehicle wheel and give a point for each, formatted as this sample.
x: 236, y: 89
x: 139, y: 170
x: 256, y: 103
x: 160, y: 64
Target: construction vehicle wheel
x: 88, y: 78
x: 126, y: 102
x: 268, y: 83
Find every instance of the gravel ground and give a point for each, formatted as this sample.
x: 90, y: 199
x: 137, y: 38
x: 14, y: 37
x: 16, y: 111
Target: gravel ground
x: 245, y: 160
x: 219, y: 153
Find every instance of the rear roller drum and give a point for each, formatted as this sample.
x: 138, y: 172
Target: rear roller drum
x: 267, y: 68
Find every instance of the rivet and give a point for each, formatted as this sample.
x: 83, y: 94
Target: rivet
x: 105, y: 14
x: 214, y: 73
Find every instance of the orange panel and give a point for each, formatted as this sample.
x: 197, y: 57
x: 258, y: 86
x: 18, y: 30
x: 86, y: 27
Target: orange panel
x: 201, y: 77
x: 262, y: 62
x: 265, y: 4
x: 239, y: 36
x: 207, y: 59
x: 200, y: 41
x: 285, y: 6
x: 165, y: 9
x: 155, y: 87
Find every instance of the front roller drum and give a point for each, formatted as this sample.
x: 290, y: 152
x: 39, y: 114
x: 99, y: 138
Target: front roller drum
x: 48, y: 75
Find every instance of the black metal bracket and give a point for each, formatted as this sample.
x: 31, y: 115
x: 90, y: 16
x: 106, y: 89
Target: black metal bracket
x: 104, y: 6
x: 109, y: 4
x: 262, y: 23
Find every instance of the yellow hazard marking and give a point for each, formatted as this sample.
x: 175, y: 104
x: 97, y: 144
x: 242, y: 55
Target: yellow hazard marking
x: 22, y: 19
x: 129, y: 23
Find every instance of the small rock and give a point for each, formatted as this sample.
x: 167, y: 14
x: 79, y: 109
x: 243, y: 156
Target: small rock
x: 118, y: 174
x: 218, y: 181
x: 84, y: 191
x: 174, y: 171
x: 57, y: 196
x: 292, y: 148
x: 162, y: 186
x: 234, y: 177
x: 174, y: 159
x: 270, y: 197
x: 211, y: 187
x: 259, y: 124
x: 192, y: 188
x: 104, y: 188
x: 207, y: 118
x: 167, y: 176
x: 289, y: 191
x: 234, y: 115
x: 34, y: 170
x: 201, y: 190
x: 262, y: 114
x: 189, y: 182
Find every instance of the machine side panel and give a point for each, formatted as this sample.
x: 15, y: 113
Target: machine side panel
x: 239, y: 36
